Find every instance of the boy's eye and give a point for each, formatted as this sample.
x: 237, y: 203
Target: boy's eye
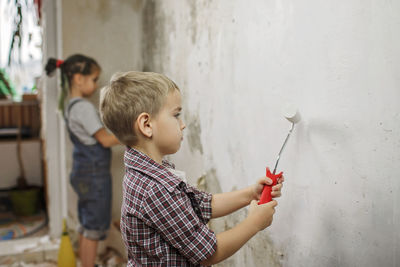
x: 177, y: 115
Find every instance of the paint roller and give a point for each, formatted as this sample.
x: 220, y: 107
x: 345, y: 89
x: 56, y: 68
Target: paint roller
x: 291, y: 114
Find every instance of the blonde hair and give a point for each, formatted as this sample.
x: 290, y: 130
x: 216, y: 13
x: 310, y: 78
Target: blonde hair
x: 127, y: 96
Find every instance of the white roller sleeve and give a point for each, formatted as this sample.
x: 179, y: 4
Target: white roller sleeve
x: 290, y: 112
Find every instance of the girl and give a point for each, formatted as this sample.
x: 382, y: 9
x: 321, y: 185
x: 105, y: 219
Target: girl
x: 90, y: 176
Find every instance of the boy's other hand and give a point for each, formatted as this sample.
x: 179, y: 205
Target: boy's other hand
x: 261, y: 215
x: 258, y: 187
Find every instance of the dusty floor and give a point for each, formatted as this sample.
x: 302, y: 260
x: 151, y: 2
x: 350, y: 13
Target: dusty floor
x: 43, y: 264
x: 108, y: 259
x: 40, y: 250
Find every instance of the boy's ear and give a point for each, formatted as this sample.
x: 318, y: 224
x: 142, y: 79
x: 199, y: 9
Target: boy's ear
x: 143, y: 124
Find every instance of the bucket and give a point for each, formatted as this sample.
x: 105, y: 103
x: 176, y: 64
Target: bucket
x: 25, y: 202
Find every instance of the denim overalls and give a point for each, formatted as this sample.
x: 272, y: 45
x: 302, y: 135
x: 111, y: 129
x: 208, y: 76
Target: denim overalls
x: 91, y: 179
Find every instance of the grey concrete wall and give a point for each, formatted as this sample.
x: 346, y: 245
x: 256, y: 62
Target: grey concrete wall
x: 237, y: 63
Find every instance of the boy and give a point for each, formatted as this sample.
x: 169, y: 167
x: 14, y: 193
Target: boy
x: 163, y: 219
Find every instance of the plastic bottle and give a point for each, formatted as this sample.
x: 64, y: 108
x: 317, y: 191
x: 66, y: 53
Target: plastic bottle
x: 66, y: 256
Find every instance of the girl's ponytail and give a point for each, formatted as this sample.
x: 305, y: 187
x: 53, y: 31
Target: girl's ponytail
x: 52, y: 65
x: 50, y: 68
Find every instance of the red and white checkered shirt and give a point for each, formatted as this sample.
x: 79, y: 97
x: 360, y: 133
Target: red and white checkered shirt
x: 163, y: 219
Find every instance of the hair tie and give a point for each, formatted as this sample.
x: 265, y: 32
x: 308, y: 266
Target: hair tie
x: 59, y: 62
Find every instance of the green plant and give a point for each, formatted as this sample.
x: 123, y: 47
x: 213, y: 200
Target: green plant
x: 6, y: 88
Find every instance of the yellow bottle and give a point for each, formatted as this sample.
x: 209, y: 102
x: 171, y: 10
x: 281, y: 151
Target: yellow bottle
x: 66, y: 256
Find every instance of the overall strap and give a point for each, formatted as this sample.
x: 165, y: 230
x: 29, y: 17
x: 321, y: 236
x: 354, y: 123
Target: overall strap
x: 69, y: 109
x: 66, y: 119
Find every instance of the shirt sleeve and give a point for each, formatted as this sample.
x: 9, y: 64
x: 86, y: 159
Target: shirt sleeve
x: 86, y: 115
x: 172, y: 215
x: 204, y: 200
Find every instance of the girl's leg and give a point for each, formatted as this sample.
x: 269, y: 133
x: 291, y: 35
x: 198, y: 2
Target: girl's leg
x: 88, y: 251
x: 80, y: 245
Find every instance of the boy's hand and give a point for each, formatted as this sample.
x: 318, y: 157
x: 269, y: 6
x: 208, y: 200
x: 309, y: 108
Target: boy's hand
x: 261, y: 215
x: 258, y: 187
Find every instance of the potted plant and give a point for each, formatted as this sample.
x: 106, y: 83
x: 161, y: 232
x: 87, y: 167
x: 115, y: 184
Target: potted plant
x: 24, y: 198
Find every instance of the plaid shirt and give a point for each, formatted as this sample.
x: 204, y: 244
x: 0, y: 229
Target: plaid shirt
x: 163, y: 219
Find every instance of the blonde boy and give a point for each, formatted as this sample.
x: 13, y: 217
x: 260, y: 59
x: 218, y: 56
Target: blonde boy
x: 164, y: 219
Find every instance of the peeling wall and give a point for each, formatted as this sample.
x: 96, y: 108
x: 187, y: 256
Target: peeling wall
x: 237, y: 63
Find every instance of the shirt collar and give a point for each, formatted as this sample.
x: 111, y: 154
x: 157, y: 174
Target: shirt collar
x: 142, y: 163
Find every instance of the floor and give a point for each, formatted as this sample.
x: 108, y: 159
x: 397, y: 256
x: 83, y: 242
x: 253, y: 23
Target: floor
x: 40, y: 250
x: 25, y: 241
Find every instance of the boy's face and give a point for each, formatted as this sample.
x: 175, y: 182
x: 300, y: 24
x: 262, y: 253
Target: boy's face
x: 168, y: 126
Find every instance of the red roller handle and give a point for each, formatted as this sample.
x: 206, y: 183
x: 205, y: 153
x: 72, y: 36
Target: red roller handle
x: 266, y: 193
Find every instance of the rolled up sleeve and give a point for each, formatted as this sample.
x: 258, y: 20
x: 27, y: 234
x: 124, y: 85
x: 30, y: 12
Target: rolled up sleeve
x: 204, y: 200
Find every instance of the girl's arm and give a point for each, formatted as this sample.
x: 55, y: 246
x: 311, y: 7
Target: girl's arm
x: 105, y: 138
x: 225, y: 203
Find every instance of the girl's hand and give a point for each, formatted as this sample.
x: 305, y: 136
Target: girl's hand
x: 258, y: 187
